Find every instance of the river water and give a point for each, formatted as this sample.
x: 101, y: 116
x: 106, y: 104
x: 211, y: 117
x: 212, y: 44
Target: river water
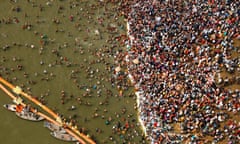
x: 61, y: 52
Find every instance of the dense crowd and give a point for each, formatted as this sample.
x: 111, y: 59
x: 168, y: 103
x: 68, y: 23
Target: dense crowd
x: 176, y: 51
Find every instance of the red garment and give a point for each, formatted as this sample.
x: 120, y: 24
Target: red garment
x: 155, y: 124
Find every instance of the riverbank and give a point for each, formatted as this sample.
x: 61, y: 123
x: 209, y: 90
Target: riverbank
x: 179, y: 66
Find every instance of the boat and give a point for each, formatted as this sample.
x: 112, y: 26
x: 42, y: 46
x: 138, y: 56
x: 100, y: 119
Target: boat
x: 14, y: 107
x: 63, y: 136
x: 23, y: 112
x: 54, y: 127
x: 27, y: 115
x: 11, y: 107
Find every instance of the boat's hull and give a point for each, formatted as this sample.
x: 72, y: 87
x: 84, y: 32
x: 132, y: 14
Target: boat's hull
x: 63, y: 136
x: 11, y: 107
x: 29, y: 116
x: 54, y: 127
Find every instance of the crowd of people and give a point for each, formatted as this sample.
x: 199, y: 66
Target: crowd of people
x: 176, y: 51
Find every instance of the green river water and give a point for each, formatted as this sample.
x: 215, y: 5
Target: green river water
x: 41, y: 36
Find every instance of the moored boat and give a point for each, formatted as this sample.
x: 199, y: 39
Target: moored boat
x: 11, y: 107
x: 27, y: 115
x: 63, y: 136
x: 54, y: 127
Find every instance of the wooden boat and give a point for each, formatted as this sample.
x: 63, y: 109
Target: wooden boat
x: 54, y: 127
x: 15, y: 108
x: 27, y: 115
x: 11, y: 107
x: 23, y: 112
x: 63, y: 136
